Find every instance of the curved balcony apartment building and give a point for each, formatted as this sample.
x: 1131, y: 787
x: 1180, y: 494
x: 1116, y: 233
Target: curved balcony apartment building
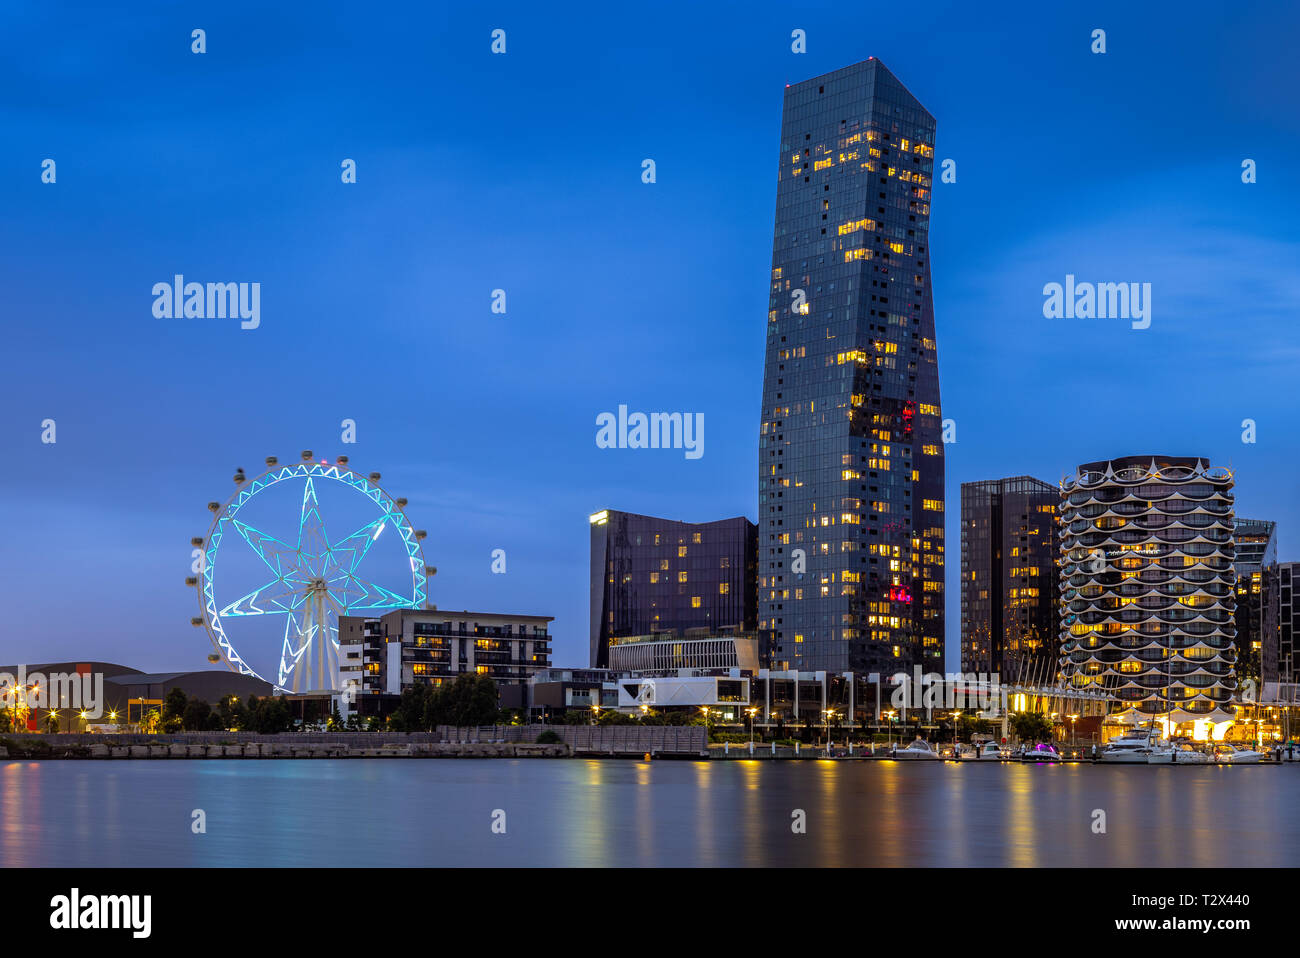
x: 1147, y: 586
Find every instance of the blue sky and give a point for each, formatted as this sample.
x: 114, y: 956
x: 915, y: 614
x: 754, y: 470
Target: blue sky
x: 522, y: 172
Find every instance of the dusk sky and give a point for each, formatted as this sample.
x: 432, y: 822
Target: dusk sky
x: 522, y: 172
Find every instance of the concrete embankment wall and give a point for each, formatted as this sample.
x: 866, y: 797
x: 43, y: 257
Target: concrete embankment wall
x: 287, y: 747
x: 500, y: 741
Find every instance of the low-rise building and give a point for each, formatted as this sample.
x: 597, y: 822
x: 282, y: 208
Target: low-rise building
x: 693, y: 649
x: 379, y: 657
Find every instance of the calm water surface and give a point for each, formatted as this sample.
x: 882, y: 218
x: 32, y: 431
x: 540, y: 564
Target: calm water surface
x: 623, y: 813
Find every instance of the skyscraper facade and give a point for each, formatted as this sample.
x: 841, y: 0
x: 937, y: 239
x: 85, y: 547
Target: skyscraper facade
x: 1255, y: 565
x: 1282, y: 649
x: 1009, y: 602
x: 1147, y: 586
x: 851, y: 510
x: 652, y: 575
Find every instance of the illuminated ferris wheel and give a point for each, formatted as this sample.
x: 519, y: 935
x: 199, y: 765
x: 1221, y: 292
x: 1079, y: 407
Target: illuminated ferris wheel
x: 306, y: 577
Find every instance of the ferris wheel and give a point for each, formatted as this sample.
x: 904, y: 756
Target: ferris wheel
x: 309, y: 579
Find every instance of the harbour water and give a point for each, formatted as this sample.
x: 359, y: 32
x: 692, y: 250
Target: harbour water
x: 630, y: 813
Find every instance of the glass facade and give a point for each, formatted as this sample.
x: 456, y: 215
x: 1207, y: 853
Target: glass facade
x: 1009, y: 613
x: 657, y: 575
x: 1282, y: 663
x: 1147, y: 586
x: 1257, y: 612
x: 851, y: 511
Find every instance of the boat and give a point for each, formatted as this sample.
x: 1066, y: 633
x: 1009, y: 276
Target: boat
x: 1130, y: 750
x: 920, y: 749
x: 1161, y: 755
x: 964, y: 752
x: 1185, y: 754
x: 993, y: 752
x: 1042, y: 752
x: 1237, y: 755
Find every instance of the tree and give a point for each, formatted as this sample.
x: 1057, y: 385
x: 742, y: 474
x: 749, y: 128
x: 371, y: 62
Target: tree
x: 173, y: 711
x: 51, y: 722
x: 268, y: 715
x: 230, y: 713
x: 470, y: 700
x: 411, y: 714
x: 197, y: 715
x: 1031, y: 727
x: 335, y: 723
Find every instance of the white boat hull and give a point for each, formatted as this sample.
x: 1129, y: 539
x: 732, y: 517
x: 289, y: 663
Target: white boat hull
x: 1250, y: 758
x: 1123, y: 758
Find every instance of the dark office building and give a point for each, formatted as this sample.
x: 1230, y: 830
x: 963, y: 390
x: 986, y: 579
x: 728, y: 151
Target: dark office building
x: 1281, y: 656
x: 1010, y: 619
x: 851, y: 511
x: 1255, y: 565
x: 657, y: 575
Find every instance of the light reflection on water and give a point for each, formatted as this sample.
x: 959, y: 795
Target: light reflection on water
x: 634, y: 813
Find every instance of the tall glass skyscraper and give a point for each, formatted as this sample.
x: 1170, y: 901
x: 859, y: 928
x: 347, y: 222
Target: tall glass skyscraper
x: 1010, y: 621
x: 1255, y: 565
x: 851, y: 511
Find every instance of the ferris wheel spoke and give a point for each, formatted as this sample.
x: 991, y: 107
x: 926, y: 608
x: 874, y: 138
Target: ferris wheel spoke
x: 273, y: 598
x: 291, y: 651
x: 349, y: 552
x: 280, y: 557
x: 313, y: 553
x: 372, y: 596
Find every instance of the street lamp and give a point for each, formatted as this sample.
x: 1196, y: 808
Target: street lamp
x: 890, y: 715
x: 828, y: 713
x: 752, y: 712
x: 1073, y: 720
x: 595, y: 712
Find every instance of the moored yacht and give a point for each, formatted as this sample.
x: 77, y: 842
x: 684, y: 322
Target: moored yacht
x: 1185, y: 754
x: 1042, y: 752
x: 993, y: 752
x: 920, y: 749
x: 1130, y: 749
x: 1161, y: 755
x: 1237, y: 755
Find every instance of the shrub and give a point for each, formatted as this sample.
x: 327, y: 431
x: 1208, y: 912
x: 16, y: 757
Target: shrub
x: 550, y: 737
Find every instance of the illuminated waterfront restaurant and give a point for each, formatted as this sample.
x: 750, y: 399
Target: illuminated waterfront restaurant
x: 1147, y: 590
